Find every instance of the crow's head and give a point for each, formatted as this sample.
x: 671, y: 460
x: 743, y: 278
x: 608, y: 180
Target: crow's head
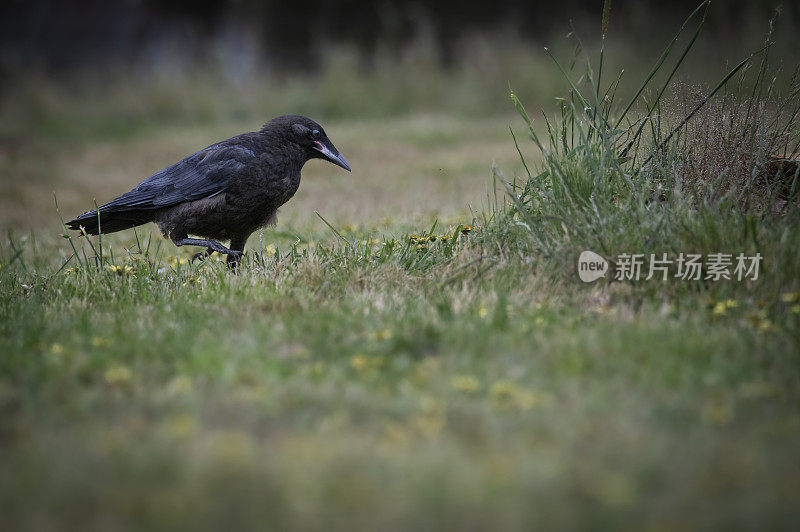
x: 309, y: 136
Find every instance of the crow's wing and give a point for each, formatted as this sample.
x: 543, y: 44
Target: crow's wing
x: 201, y: 175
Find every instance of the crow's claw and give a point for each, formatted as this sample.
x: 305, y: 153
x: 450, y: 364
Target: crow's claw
x: 202, y: 255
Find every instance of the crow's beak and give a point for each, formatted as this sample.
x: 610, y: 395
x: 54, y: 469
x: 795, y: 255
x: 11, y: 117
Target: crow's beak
x: 331, y: 154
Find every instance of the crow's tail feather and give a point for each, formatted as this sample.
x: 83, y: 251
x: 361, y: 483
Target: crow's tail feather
x: 111, y: 221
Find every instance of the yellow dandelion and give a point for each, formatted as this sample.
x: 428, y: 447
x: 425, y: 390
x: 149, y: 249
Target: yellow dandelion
x: 118, y: 375
x: 466, y: 229
x: 465, y: 383
x: 383, y: 334
x: 508, y: 393
x: 502, y: 390
x: 359, y: 362
x: 790, y: 297
x: 364, y: 364
x: 482, y: 312
x: 119, y: 270
x: 765, y: 326
x: 175, y: 261
x: 527, y: 399
x: 97, y: 341
x: 719, y: 309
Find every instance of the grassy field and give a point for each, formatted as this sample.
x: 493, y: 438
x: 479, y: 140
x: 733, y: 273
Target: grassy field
x: 328, y: 386
x: 399, y: 370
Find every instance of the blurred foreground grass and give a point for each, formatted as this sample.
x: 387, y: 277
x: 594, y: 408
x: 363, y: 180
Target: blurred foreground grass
x: 351, y: 387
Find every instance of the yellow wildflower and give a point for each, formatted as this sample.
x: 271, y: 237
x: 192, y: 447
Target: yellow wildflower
x: 466, y: 229
x: 175, y: 261
x: 790, y: 297
x: 100, y: 342
x: 118, y: 375
x: 502, y: 390
x: 526, y: 399
x: 383, y: 334
x: 482, y: 312
x: 765, y: 326
x: 56, y: 349
x: 364, y: 364
x: 119, y: 270
x: 359, y: 362
x: 794, y: 309
x: 465, y: 383
x: 508, y: 393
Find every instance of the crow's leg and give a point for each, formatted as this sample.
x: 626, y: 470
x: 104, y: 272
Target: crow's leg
x: 211, y: 246
x: 237, y: 245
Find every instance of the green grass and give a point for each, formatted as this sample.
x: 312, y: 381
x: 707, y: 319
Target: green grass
x: 366, y: 376
x: 338, y: 388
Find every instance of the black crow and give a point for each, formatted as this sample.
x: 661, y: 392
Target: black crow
x: 223, y: 192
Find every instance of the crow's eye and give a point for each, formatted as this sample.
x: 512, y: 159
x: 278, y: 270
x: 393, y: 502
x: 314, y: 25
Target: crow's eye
x: 315, y: 133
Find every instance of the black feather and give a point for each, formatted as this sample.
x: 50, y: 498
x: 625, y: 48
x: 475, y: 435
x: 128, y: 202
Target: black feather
x: 201, y: 175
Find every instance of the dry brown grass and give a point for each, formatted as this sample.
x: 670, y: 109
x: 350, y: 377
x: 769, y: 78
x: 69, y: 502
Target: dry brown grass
x: 733, y: 147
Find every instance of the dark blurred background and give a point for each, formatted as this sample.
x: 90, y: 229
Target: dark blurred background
x: 93, y: 68
x: 250, y: 36
x: 187, y: 62
x: 280, y: 36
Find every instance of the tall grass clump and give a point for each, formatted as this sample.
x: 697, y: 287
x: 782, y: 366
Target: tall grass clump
x: 675, y: 169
